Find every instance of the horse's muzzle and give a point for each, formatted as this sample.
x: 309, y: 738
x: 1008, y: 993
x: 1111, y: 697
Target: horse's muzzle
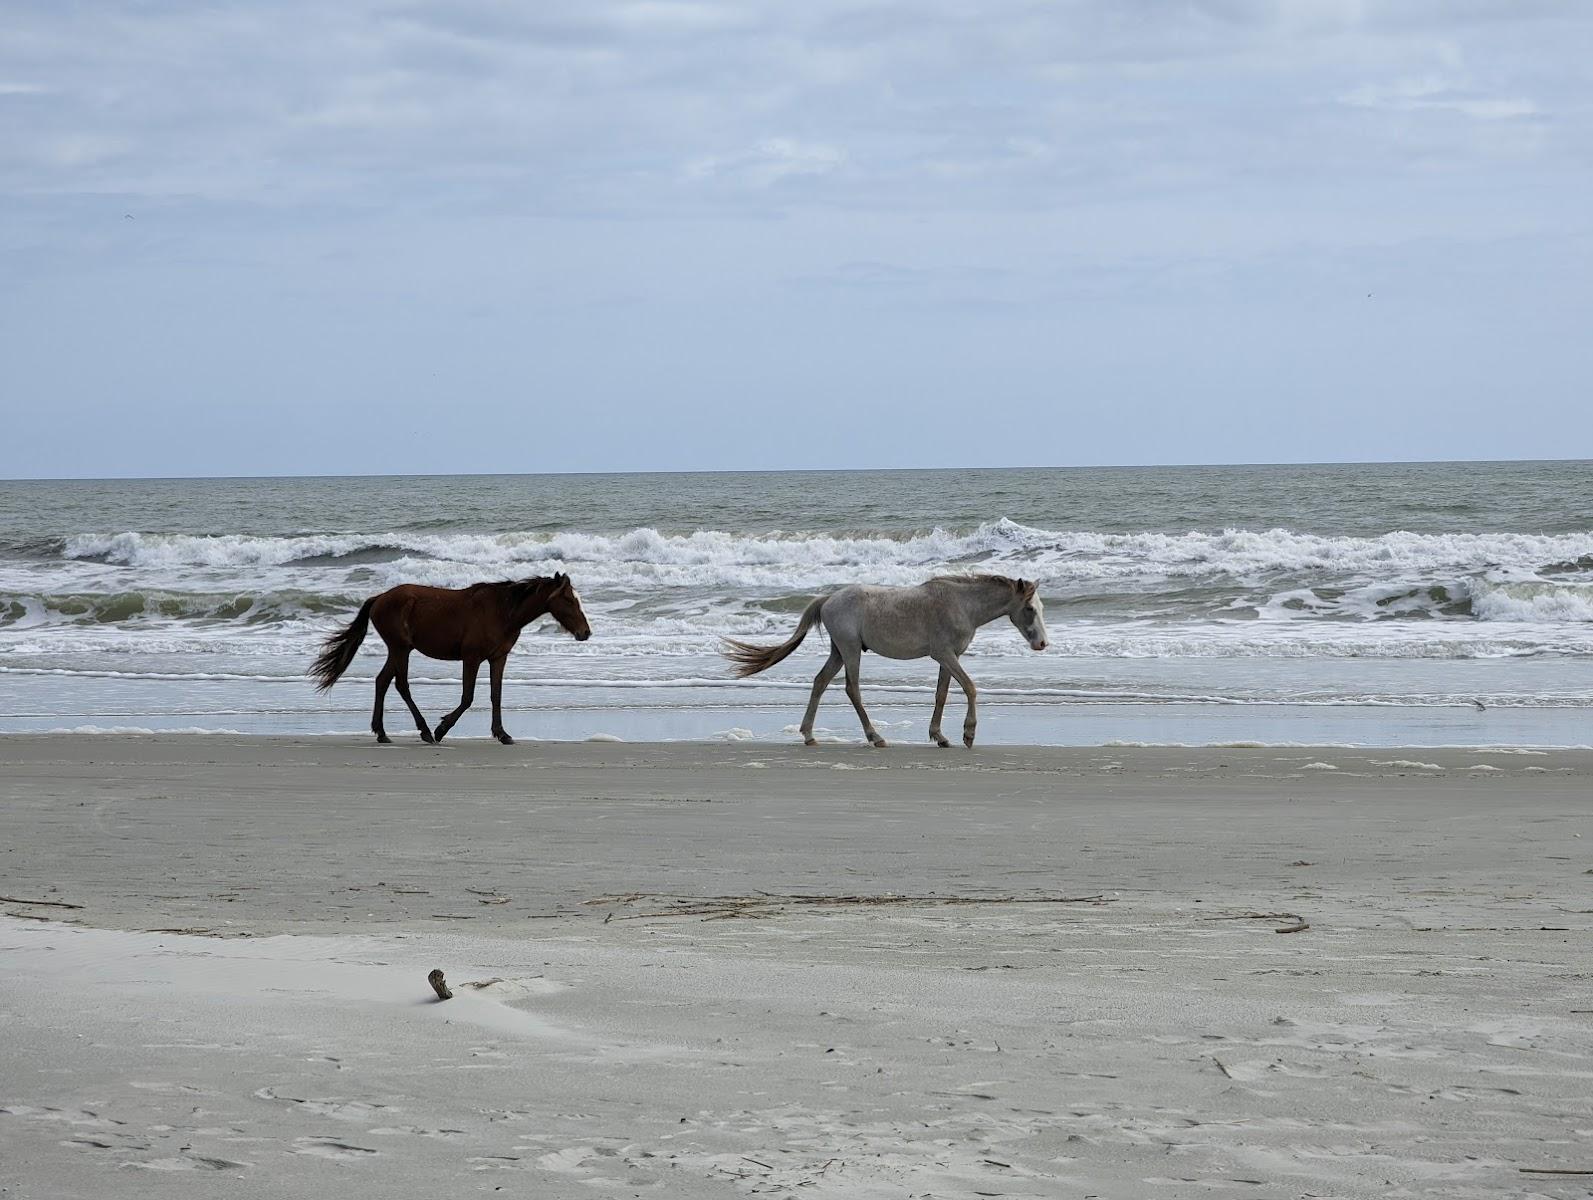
x: 583, y: 635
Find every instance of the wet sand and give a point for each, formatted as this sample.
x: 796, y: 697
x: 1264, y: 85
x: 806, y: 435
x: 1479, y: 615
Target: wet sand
x: 728, y: 970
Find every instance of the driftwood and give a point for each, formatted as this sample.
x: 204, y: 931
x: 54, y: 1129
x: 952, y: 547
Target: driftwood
x: 1297, y: 923
x: 439, y: 984
x: 765, y: 904
x: 39, y: 903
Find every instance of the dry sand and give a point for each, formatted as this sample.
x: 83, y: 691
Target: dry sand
x: 727, y: 971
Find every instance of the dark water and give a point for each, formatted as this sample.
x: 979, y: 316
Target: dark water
x: 1334, y: 500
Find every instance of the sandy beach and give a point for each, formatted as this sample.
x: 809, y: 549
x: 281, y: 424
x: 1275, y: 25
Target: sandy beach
x: 723, y: 970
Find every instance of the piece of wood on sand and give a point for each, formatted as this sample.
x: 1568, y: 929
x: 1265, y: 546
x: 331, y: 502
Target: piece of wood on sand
x: 439, y: 984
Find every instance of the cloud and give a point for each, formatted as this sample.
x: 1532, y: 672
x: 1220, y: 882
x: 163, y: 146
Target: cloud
x: 1432, y: 94
x: 608, y: 106
x: 769, y: 162
x: 668, y: 195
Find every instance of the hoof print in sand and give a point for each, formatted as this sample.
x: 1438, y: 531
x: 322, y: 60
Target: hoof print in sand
x: 331, y: 1106
x: 187, y: 1160
x: 331, y: 1148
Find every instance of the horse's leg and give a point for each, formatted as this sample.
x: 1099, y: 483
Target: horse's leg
x: 465, y: 700
x: 854, y: 672
x: 950, y: 663
x: 383, y: 678
x: 941, y: 688
x: 496, y: 668
x: 401, y: 679
x: 820, y: 682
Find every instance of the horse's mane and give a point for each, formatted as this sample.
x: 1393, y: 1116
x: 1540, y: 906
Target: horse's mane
x: 518, y: 590
x: 1004, y: 580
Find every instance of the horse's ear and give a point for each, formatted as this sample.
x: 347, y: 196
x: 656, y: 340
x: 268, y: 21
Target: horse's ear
x: 560, y: 578
x: 1030, y: 587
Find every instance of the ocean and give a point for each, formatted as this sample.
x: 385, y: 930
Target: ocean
x: 1399, y: 604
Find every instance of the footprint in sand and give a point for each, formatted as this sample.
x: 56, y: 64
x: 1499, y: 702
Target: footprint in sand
x: 188, y: 1161
x: 330, y: 1106
x: 171, y: 1089
x: 495, y: 1162
x: 414, y: 1131
x: 68, y: 1116
x: 573, y: 1160
x: 122, y: 1143
x: 331, y: 1148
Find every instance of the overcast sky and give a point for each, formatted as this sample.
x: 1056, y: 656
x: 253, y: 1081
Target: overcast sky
x: 465, y: 235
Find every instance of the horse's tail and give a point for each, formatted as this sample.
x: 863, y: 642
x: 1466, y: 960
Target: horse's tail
x: 750, y: 659
x: 339, y: 649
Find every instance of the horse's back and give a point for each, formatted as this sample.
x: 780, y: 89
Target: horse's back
x: 898, y: 622
x: 425, y: 591
x: 439, y: 622
x: 407, y: 595
x: 403, y: 597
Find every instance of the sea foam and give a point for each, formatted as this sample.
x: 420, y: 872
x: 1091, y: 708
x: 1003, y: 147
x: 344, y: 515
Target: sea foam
x: 647, y: 558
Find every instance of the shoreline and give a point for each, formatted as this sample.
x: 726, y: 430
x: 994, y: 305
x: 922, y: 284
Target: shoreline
x: 785, y: 740
x: 1003, y: 726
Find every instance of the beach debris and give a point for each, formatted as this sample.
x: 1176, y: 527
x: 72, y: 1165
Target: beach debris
x: 767, y: 904
x: 38, y: 903
x: 1296, y: 923
x: 201, y: 931
x: 439, y: 984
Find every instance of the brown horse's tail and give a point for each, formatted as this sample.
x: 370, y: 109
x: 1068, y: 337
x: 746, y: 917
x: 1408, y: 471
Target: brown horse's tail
x: 339, y: 649
x: 750, y: 659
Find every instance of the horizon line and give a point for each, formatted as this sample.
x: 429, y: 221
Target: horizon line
x: 1392, y: 462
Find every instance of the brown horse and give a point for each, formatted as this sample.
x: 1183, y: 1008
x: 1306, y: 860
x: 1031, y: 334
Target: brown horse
x: 474, y: 625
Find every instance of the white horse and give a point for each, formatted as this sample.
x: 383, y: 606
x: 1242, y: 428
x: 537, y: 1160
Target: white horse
x: 933, y: 620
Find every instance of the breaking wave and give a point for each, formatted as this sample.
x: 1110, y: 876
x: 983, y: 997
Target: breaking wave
x: 117, y: 608
x: 1277, y: 574
x: 1067, y: 554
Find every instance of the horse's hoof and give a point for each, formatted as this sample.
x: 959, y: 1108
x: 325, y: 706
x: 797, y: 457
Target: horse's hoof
x: 438, y: 734
x: 383, y: 740
x: 505, y: 739
x: 967, y: 740
x: 940, y: 741
x: 877, y: 742
x: 425, y: 736
x: 810, y: 741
